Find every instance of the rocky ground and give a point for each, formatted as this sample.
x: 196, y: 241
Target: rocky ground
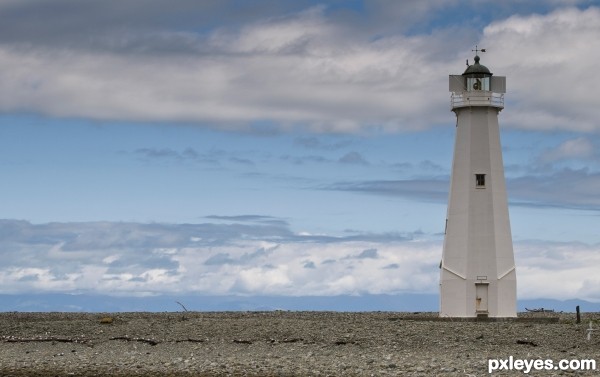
x: 281, y: 344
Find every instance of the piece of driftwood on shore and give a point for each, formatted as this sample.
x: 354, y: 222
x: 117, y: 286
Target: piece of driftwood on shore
x: 540, y: 310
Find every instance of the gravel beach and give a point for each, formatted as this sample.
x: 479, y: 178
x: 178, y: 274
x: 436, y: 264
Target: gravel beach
x: 283, y: 344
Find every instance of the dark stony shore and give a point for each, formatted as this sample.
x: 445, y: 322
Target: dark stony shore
x: 283, y: 344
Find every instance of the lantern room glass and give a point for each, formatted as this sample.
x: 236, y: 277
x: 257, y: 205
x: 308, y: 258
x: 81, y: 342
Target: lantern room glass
x: 478, y: 83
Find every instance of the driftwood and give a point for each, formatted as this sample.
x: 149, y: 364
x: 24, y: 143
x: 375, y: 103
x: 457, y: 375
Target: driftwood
x: 540, y: 310
x: 53, y: 339
x: 190, y: 340
x: 344, y: 342
x: 13, y: 339
x: 151, y: 342
x: 527, y: 342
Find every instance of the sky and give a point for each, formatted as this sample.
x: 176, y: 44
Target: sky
x: 285, y: 148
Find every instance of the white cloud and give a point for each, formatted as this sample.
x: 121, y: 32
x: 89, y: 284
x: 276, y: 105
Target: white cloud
x: 243, y: 263
x: 254, y: 264
x: 549, y: 61
x: 558, y: 270
x: 285, y: 34
x: 578, y: 148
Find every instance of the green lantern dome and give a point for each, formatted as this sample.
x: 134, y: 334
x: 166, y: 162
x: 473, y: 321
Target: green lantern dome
x: 477, y: 69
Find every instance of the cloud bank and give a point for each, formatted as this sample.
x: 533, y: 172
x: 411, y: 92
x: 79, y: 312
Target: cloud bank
x: 250, y: 255
x: 307, y: 66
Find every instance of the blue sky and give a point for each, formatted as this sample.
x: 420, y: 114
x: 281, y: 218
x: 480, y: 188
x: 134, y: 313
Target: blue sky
x: 284, y: 148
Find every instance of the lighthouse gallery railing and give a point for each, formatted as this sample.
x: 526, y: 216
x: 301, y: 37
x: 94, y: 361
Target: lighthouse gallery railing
x: 477, y: 98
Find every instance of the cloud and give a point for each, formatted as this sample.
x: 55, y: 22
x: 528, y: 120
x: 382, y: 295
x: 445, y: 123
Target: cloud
x: 435, y: 190
x: 142, y: 259
x: 185, y: 156
x: 250, y: 219
x: 431, y: 166
x: 289, y: 64
x: 295, y: 70
x: 558, y: 270
x: 578, y: 148
x: 218, y: 259
x: 353, y: 158
x: 301, y: 160
x: 550, y: 53
x: 368, y: 254
x: 136, y: 26
x: 241, y: 161
x: 158, y: 153
x: 312, y: 142
x: 565, y: 188
x: 260, y: 263
x: 242, y: 218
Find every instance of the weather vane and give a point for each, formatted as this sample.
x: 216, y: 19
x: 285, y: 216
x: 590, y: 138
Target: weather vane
x: 477, y: 50
x: 476, y: 55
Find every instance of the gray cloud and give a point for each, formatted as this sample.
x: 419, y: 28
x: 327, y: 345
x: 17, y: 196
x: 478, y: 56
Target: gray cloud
x: 435, y: 190
x: 168, y: 26
x: 402, y: 166
x: 350, y: 158
x: 94, y: 241
x: 241, y: 161
x: 138, y: 262
x: 219, y: 259
x: 314, y: 143
x: 186, y: 155
x: 431, y: 166
x: 138, y: 26
x: 30, y: 278
x: 192, y: 156
x: 158, y: 153
x: 301, y: 160
x: 353, y: 158
x: 260, y: 219
x: 90, y: 236
x: 288, y: 64
x: 565, y: 188
x: 368, y: 254
x: 241, y: 218
x: 562, y: 188
x: 159, y: 61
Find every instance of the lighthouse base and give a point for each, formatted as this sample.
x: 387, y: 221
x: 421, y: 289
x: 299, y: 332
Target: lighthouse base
x: 472, y: 298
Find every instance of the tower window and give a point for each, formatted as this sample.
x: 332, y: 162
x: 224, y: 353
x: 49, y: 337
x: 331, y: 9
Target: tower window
x: 480, y: 180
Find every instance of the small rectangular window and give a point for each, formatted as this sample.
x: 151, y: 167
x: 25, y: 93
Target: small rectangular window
x: 480, y: 180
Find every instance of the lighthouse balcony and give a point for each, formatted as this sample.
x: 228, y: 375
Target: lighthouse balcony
x: 477, y: 98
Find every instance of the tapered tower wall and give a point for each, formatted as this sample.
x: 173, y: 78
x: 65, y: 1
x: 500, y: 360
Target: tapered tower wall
x: 477, y: 270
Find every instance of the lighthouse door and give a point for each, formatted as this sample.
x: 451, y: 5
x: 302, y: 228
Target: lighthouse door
x: 481, y: 298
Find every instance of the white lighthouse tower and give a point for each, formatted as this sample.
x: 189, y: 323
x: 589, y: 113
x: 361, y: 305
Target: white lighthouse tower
x: 478, y: 276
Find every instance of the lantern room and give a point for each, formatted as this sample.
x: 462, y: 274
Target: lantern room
x: 477, y: 77
x: 477, y: 87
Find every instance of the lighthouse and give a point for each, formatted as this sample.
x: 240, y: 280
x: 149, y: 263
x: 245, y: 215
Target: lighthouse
x: 477, y: 277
